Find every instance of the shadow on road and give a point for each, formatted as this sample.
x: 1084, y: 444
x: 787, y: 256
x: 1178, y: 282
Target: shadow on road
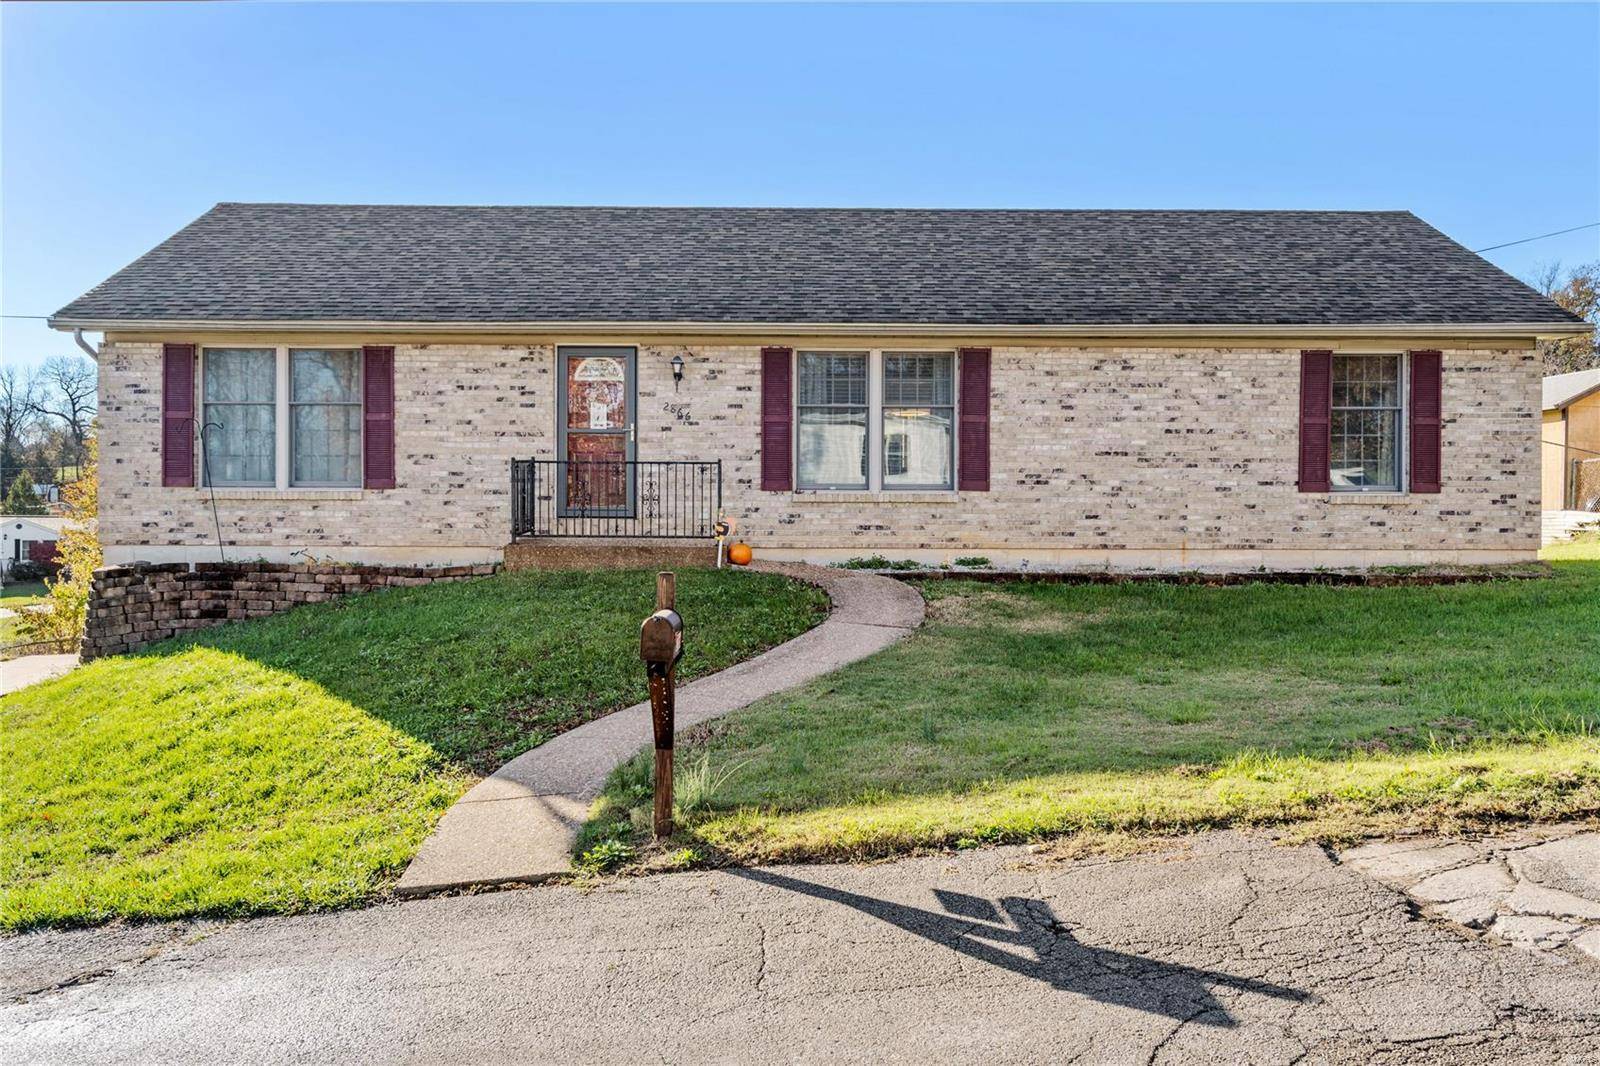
x: 976, y: 927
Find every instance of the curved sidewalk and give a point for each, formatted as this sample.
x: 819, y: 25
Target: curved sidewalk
x: 520, y: 823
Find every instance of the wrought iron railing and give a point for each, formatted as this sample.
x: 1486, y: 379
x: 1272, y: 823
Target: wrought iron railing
x: 604, y: 498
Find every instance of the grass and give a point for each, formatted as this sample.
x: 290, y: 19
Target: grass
x: 1584, y: 547
x: 1020, y: 712
x: 17, y: 594
x: 297, y: 762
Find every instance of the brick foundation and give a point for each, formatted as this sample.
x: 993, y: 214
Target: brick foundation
x: 136, y: 605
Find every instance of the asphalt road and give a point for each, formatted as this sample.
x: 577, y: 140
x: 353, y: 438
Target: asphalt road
x: 1221, y: 949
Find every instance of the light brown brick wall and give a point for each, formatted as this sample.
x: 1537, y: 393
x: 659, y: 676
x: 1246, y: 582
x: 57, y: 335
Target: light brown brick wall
x: 1181, y: 452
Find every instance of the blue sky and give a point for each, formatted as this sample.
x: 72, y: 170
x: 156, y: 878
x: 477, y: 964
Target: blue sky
x: 122, y: 123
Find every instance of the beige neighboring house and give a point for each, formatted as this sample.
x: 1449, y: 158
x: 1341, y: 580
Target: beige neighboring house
x: 28, y: 538
x: 1058, y: 388
x: 1571, y: 441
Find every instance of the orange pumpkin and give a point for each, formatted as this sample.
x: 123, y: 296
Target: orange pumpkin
x: 739, y: 554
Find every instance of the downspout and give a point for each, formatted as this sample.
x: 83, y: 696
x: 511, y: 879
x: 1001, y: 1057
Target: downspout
x: 90, y: 350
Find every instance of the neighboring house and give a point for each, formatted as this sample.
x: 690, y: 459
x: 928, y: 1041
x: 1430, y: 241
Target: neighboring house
x: 1571, y: 441
x: 28, y: 538
x: 1128, y: 388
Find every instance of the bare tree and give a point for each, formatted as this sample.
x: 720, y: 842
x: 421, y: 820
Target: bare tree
x: 16, y: 412
x: 1578, y: 290
x: 65, y: 389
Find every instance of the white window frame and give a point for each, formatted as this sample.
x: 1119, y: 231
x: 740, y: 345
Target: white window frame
x: 282, y: 422
x: 875, y: 457
x: 279, y: 428
x: 360, y: 404
x: 1402, y: 427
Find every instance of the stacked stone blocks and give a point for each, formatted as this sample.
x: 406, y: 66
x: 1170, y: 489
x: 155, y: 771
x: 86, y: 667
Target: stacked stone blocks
x: 133, y: 606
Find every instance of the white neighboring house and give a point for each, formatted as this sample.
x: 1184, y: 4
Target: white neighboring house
x: 18, y: 533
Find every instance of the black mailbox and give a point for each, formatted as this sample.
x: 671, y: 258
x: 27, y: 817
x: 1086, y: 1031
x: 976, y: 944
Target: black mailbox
x: 661, y: 638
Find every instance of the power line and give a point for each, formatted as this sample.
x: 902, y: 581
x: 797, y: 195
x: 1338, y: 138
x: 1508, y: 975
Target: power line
x: 25, y: 316
x: 1540, y: 237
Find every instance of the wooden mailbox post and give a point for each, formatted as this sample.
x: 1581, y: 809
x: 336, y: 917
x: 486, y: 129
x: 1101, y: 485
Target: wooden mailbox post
x: 660, y: 646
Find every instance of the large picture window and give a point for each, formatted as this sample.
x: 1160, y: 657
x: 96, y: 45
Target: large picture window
x: 239, y: 416
x: 1366, y: 423
x: 832, y: 415
x: 282, y: 417
x: 875, y: 420
x: 325, y: 416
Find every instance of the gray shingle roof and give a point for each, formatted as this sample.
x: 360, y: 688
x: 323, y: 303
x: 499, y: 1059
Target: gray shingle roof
x: 316, y: 262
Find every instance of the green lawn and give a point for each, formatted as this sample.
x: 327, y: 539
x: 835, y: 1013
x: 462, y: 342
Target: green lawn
x: 297, y: 762
x: 17, y: 594
x: 1028, y: 710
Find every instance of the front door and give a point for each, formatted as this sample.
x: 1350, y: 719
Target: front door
x: 597, y: 429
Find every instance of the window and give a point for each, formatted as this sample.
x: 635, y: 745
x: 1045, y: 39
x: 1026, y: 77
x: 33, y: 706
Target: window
x: 918, y: 420
x: 832, y: 415
x: 325, y: 416
x: 239, y: 416
x: 1368, y: 397
x: 282, y: 417
x: 875, y: 420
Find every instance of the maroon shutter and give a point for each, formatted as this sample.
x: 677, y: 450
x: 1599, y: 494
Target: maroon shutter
x: 1427, y: 421
x: 777, y: 420
x: 177, y: 415
x: 973, y: 441
x: 1316, y: 398
x: 377, y: 377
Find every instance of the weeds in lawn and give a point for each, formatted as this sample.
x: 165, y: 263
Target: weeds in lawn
x: 606, y: 856
x: 695, y: 787
x: 878, y: 562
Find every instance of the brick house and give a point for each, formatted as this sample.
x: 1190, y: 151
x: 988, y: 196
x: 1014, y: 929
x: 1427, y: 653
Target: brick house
x: 1124, y: 388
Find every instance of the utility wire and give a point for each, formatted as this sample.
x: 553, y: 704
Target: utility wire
x: 1540, y: 237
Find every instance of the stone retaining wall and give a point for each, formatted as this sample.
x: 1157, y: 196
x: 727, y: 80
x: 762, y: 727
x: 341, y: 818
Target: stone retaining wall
x: 139, y: 604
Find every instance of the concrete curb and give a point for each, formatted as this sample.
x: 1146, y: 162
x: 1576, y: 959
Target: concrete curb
x: 520, y: 823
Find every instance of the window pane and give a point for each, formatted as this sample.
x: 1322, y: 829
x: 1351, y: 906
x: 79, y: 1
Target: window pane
x: 1366, y: 381
x: 240, y: 375
x: 1364, y: 449
x: 918, y: 380
x: 239, y: 443
x: 916, y: 447
x: 1365, y: 430
x: 318, y: 375
x: 833, y: 448
x: 833, y: 378
x: 327, y: 444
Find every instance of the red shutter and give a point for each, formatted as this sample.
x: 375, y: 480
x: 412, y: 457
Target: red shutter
x: 1316, y: 398
x: 1427, y: 421
x: 377, y: 376
x: 777, y: 420
x: 973, y: 440
x: 177, y: 415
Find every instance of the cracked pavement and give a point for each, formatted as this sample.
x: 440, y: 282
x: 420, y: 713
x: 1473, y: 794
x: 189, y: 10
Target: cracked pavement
x: 1220, y: 947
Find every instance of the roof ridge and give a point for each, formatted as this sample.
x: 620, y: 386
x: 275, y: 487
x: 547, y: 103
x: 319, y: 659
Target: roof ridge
x: 821, y: 208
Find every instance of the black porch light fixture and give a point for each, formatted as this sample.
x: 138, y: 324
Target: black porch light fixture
x: 677, y: 372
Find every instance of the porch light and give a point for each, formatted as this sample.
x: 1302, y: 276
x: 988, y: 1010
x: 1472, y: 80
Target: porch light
x: 677, y: 372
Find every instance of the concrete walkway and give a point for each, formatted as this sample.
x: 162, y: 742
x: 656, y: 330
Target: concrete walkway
x: 1219, y: 948
x: 31, y: 669
x: 521, y: 823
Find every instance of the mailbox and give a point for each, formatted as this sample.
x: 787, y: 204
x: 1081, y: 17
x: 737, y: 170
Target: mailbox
x: 661, y: 638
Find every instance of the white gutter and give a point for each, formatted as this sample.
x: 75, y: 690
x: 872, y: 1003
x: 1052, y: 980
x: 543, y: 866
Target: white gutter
x: 90, y: 350
x: 808, y: 329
